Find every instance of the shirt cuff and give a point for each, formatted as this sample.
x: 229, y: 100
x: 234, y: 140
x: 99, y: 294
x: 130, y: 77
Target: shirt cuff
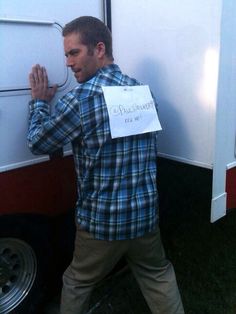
x: 36, y: 103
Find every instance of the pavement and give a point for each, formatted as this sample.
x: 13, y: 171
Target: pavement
x: 118, y: 294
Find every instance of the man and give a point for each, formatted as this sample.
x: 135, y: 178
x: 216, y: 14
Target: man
x: 117, y: 202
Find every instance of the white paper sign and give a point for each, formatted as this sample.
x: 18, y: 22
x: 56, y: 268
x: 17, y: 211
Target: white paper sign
x: 131, y: 110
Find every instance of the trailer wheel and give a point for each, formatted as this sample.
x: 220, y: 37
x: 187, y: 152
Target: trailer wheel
x: 33, y: 256
x: 18, y: 269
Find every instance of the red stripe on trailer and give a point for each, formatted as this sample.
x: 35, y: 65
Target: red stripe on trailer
x: 231, y: 188
x: 44, y: 188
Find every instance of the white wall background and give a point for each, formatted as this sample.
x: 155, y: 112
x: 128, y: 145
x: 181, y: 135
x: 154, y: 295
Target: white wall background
x: 174, y: 47
x: 225, y: 126
x: 186, y: 51
x: 23, y: 45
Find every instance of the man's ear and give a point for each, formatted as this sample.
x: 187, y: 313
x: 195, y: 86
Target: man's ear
x: 100, y: 49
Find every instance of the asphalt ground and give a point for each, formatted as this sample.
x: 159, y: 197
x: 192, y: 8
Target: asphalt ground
x: 118, y: 294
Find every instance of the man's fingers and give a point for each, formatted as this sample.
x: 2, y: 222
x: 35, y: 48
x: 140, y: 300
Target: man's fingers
x: 38, y: 79
x: 44, y: 77
x: 38, y: 74
x: 32, y: 80
x: 35, y: 73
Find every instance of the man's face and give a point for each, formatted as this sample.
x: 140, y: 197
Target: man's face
x: 82, y: 62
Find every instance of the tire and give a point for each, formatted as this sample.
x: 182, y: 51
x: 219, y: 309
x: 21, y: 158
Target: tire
x: 25, y: 264
x: 18, y: 271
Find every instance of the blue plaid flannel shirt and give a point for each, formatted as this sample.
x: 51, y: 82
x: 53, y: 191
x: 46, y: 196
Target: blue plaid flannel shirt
x: 117, y: 194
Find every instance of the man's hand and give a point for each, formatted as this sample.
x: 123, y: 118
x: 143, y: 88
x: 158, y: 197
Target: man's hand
x: 38, y: 79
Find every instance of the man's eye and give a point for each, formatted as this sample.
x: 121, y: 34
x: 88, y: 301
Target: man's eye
x: 74, y: 53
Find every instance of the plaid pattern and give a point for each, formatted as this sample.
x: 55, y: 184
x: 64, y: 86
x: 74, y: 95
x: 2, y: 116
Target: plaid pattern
x: 117, y: 195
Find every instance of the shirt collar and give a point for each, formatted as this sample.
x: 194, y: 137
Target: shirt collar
x: 104, y: 70
x: 109, y: 68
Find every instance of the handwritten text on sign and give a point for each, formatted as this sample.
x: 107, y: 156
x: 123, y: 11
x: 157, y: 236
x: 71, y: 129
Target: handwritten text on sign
x: 131, y: 110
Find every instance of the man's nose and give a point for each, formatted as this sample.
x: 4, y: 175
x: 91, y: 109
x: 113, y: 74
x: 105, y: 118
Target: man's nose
x: 69, y: 62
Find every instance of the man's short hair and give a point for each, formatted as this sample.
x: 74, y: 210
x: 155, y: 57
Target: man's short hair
x: 91, y: 31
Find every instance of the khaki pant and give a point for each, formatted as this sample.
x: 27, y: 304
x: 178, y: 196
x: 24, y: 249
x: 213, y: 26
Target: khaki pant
x: 94, y: 259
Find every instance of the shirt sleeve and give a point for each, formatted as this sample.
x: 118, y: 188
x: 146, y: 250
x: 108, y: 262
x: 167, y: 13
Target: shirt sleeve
x: 48, y: 132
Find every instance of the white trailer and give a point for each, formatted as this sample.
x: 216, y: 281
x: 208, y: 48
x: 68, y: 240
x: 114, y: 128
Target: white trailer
x: 186, y: 52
